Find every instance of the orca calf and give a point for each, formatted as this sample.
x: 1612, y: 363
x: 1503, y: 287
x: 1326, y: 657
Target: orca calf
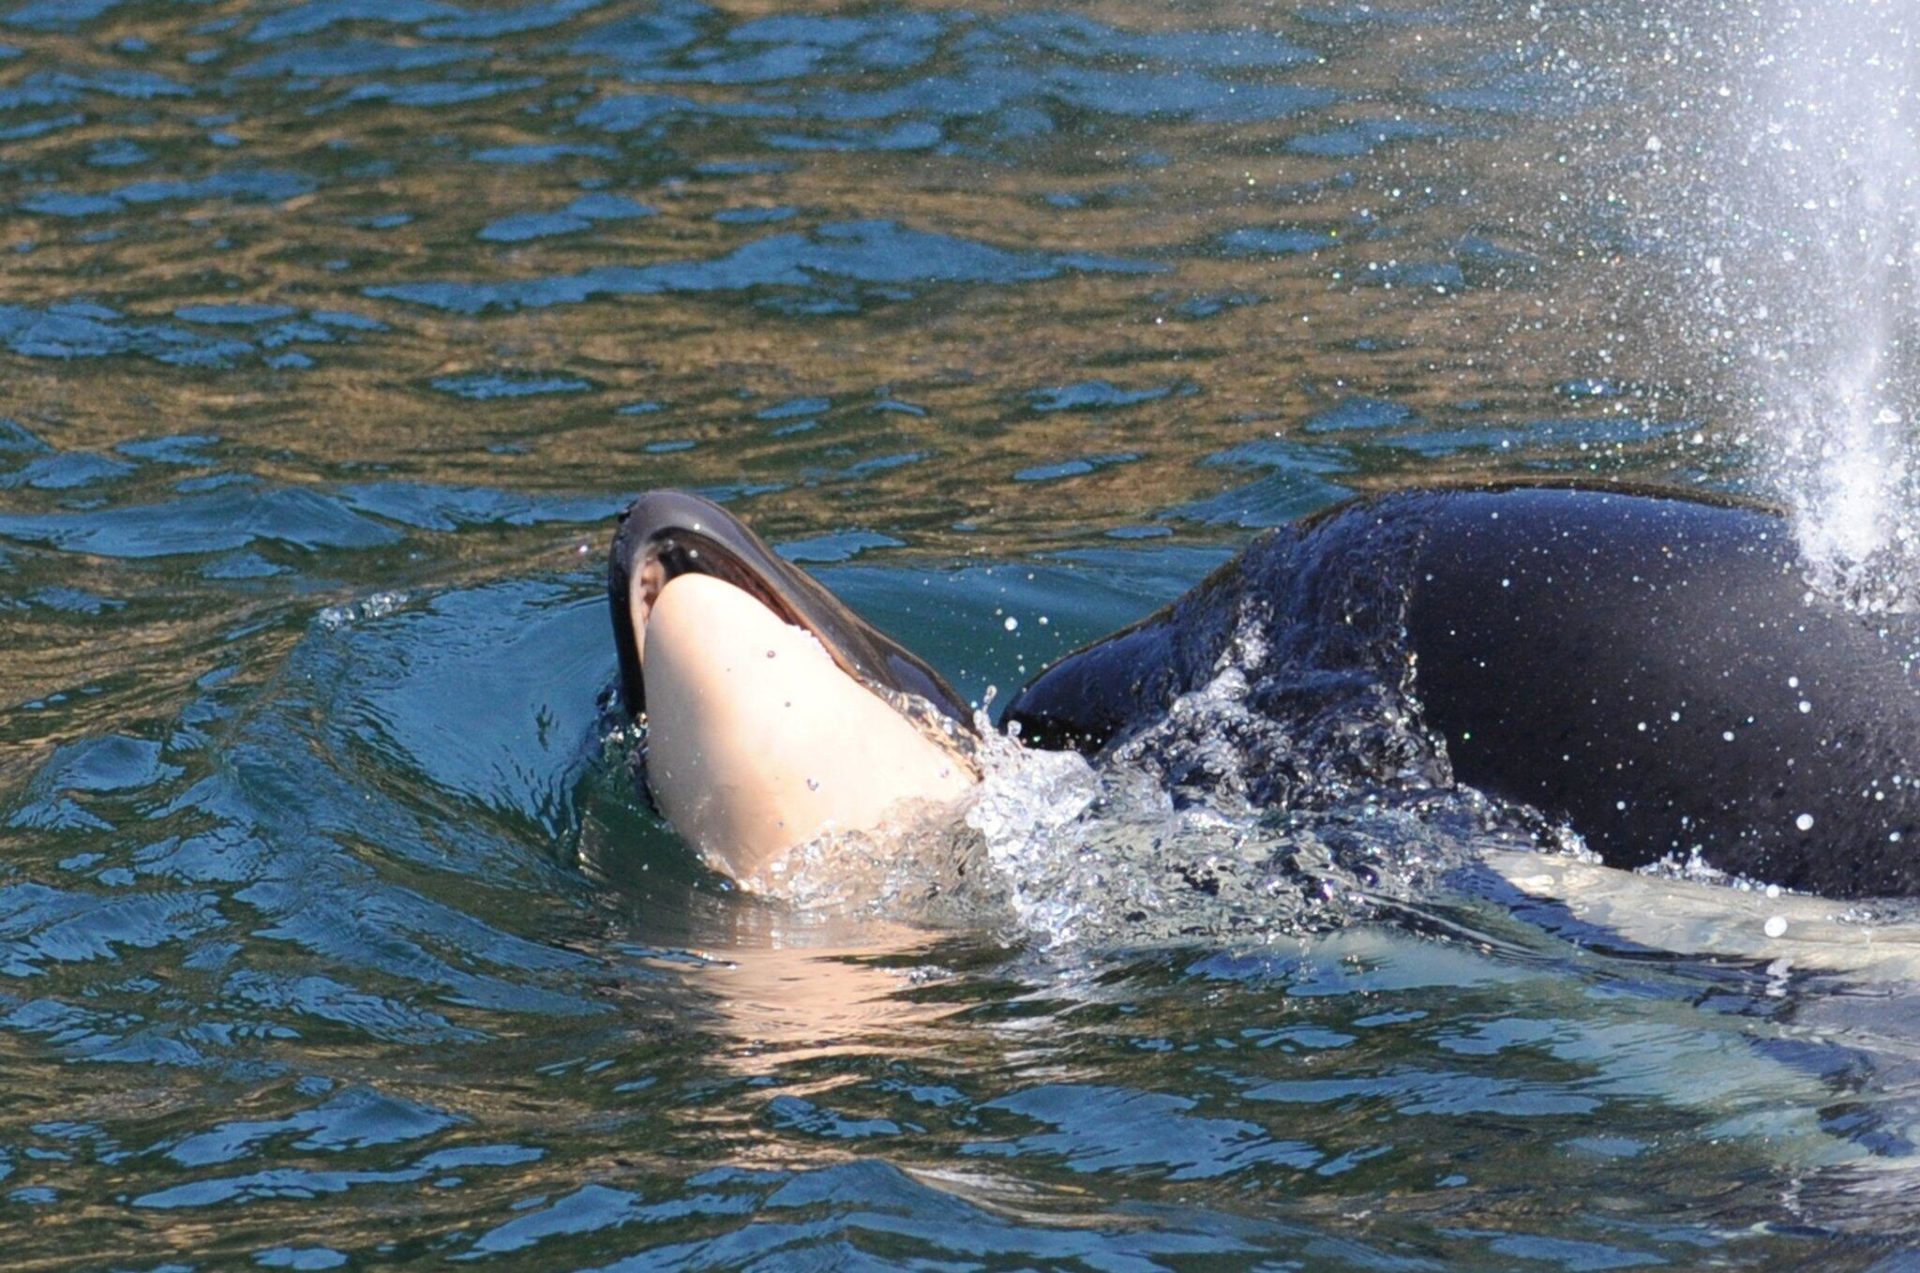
x: 775, y: 714
x: 1654, y: 669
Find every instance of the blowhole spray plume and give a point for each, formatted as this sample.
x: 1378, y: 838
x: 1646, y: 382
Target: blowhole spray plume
x: 1825, y: 205
x: 1780, y: 185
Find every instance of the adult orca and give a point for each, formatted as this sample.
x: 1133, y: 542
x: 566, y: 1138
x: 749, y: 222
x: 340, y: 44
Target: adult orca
x: 1654, y: 669
x: 775, y: 714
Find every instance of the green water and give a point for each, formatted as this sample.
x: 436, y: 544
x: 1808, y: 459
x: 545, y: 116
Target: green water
x: 334, y: 333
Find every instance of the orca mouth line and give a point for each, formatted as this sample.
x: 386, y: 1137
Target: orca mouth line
x: 665, y: 534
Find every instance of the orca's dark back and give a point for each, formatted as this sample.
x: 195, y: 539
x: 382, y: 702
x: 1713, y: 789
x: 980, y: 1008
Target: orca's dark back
x: 1659, y: 672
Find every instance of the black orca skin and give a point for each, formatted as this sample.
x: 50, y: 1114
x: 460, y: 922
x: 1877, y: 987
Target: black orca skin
x: 1654, y: 669
x: 689, y: 534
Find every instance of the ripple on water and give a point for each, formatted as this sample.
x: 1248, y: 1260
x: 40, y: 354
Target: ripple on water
x: 230, y: 517
x: 481, y: 386
x: 1114, y: 1129
x: 837, y: 546
x: 869, y: 252
x: 88, y: 330
x: 331, y: 929
x: 71, y: 471
x: 1360, y: 413
x: 55, y: 15
x: 315, y: 16
x: 1097, y: 395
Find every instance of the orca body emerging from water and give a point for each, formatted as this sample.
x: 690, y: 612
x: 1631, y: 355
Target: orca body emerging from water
x: 1655, y: 670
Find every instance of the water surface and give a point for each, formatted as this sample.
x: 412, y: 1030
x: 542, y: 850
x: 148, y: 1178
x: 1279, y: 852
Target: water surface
x: 331, y: 933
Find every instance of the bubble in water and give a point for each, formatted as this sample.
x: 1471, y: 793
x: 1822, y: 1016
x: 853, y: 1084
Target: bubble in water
x: 375, y: 606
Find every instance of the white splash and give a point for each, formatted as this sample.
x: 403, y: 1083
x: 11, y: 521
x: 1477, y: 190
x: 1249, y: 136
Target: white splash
x: 1828, y: 225
x: 376, y: 606
x: 1025, y: 800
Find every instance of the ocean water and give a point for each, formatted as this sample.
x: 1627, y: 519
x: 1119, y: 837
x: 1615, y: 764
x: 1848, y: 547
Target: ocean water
x: 333, y: 334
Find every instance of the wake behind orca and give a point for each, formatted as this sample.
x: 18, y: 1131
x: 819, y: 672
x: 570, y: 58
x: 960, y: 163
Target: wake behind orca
x: 1652, y: 669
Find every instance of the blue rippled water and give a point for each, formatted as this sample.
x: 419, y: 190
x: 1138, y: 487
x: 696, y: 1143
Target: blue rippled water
x: 334, y: 333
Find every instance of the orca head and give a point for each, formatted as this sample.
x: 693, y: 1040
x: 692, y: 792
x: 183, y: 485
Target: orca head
x: 774, y: 712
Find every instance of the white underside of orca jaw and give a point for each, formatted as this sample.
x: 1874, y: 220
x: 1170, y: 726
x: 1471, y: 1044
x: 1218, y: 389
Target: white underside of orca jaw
x: 758, y: 742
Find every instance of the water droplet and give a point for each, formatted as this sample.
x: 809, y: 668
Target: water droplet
x: 1012, y: 623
